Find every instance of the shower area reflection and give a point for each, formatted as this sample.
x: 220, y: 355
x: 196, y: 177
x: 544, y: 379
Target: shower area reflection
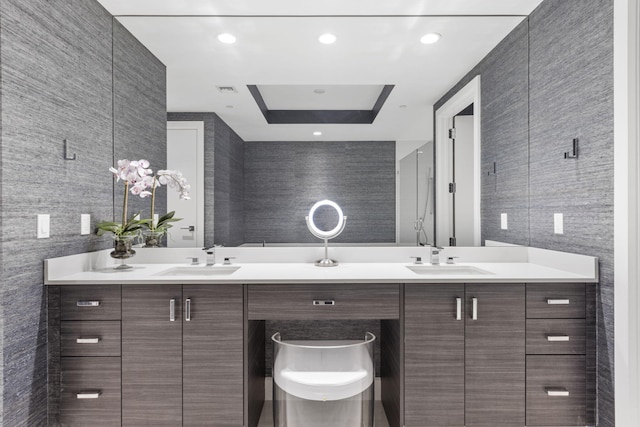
x: 416, y: 196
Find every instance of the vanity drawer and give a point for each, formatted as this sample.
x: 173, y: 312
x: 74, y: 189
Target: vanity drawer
x: 90, y: 338
x: 90, y: 391
x: 556, y: 336
x: 90, y: 302
x: 556, y: 392
x: 556, y: 301
x: 330, y: 301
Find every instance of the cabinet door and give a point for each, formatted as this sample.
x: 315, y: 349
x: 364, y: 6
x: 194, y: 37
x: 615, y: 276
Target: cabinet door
x: 151, y: 356
x: 212, y: 355
x: 495, y: 355
x: 434, y: 355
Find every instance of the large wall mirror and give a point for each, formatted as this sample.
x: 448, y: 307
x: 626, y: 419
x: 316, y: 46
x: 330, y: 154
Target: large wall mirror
x: 361, y: 109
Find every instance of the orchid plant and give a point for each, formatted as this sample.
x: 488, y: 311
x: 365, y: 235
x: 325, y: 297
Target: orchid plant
x: 172, y: 179
x: 135, y: 174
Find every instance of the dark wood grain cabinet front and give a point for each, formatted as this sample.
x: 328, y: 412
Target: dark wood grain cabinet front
x: 464, y: 355
x: 182, y: 355
x: 557, y: 354
x: 90, y: 391
x: 324, y: 301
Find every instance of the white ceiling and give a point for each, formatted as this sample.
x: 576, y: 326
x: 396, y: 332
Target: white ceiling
x: 284, y: 51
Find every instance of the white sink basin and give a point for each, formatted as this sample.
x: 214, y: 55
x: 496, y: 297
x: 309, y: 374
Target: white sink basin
x: 446, y: 269
x: 199, y: 271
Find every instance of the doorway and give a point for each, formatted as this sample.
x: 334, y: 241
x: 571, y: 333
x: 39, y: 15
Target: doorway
x: 185, y: 152
x: 458, y: 169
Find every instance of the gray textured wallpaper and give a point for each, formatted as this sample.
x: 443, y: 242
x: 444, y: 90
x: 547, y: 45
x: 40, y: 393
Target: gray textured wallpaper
x: 56, y: 66
x: 569, y: 44
x: 284, y: 179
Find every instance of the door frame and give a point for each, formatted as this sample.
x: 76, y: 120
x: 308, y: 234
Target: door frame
x: 469, y: 94
x: 198, y: 126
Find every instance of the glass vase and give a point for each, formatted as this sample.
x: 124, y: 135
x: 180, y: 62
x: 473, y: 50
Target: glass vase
x: 152, y: 239
x: 122, y: 250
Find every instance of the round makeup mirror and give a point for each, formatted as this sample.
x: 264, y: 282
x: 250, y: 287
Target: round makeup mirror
x: 320, y: 211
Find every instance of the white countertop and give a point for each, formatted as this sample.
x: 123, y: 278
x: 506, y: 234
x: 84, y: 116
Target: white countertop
x: 294, y: 265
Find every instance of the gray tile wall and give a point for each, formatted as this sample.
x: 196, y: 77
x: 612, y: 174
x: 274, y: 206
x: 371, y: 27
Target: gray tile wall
x: 224, y: 170
x: 570, y: 80
x: 56, y: 66
x: 284, y: 179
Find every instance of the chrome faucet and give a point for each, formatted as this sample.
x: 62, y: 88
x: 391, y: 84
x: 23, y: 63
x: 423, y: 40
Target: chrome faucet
x: 435, y: 255
x: 211, y: 255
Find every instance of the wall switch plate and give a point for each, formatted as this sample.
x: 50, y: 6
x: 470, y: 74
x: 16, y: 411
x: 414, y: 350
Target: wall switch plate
x: 156, y: 217
x: 558, y: 226
x: 43, y: 226
x: 85, y: 224
x: 503, y: 221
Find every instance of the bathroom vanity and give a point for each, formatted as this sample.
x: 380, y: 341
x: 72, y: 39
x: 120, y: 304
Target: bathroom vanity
x: 505, y: 337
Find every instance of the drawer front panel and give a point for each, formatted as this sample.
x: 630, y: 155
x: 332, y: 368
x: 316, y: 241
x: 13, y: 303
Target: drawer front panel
x: 90, y: 391
x: 90, y: 302
x: 303, y: 302
x: 556, y: 301
x: 90, y: 338
x: 556, y: 336
x: 556, y: 391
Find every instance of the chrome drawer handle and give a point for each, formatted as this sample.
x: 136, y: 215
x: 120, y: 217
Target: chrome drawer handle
x: 458, y: 308
x: 94, y: 340
x: 474, y: 314
x: 558, y: 301
x: 557, y: 337
x: 187, y: 310
x: 88, y: 304
x: 324, y: 302
x: 557, y: 392
x: 89, y: 394
x: 172, y: 310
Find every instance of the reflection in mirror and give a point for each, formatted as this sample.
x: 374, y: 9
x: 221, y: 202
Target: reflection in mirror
x: 415, y: 197
x: 212, y: 78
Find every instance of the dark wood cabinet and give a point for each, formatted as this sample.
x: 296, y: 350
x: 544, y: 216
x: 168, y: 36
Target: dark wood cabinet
x: 212, y: 358
x: 434, y: 355
x: 151, y: 355
x: 461, y: 368
x: 182, y: 355
x: 495, y: 355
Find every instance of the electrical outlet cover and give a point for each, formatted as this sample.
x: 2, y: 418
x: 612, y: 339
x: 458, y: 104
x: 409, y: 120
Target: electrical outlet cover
x: 85, y: 224
x: 558, y: 223
x: 503, y: 221
x: 43, y: 229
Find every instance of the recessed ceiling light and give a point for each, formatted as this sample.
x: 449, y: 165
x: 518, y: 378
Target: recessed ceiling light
x: 227, y: 38
x: 317, y: 133
x: 327, y: 38
x: 402, y: 106
x: 430, y: 38
x: 229, y: 106
x: 319, y: 91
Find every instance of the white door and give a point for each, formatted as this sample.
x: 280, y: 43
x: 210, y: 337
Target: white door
x: 185, y: 152
x: 463, y: 212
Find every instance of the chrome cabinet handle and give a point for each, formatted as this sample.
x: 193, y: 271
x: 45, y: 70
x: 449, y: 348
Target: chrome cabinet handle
x: 458, y: 308
x: 324, y: 302
x: 474, y: 314
x: 93, y: 340
x: 88, y: 304
x: 172, y: 310
x: 557, y: 337
x: 94, y: 394
x: 557, y: 392
x: 558, y: 301
x: 187, y: 310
